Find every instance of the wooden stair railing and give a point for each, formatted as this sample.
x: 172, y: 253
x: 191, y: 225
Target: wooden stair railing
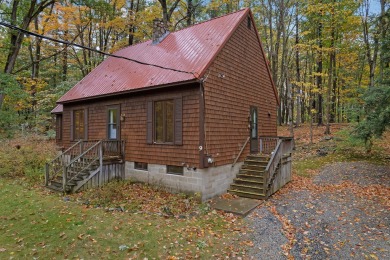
x: 55, y: 167
x: 283, y: 148
x: 84, y: 160
x: 82, y: 163
x: 272, y: 165
x: 241, y: 150
x: 263, y: 174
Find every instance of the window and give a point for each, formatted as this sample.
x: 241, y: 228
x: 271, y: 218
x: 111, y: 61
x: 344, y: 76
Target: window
x: 79, y: 124
x: 164, y: 122
x: 249, y: 22
x: 163, y: 128
x: 113, y: 123
x: 141, y: 166
x: 59, y: 127
x: 253, y: 122
x: 171, y: 169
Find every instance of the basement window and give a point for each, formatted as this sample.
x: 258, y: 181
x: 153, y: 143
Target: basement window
x: 171, y: 169
x: 141, y: 166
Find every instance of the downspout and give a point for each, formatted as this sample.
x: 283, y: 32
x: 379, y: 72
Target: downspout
x: 202, y: 123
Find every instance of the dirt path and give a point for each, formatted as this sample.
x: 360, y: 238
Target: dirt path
x: 341, y: 213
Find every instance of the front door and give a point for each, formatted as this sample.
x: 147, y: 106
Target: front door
x: 254, y: 138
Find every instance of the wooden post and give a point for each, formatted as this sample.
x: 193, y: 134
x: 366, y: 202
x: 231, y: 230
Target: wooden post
x: 123, y: 151
x: 261, y: 145
x: 101, y: 156
x: 46, y: 174
x: 64, y: 178
x: 81, y: 147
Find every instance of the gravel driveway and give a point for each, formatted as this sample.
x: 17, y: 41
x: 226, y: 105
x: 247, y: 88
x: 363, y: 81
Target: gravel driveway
x: 342, y: 214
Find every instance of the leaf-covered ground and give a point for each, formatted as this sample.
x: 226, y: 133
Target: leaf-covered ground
x: 336, y: 207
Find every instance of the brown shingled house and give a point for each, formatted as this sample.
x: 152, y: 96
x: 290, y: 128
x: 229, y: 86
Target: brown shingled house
x: 197, y: 103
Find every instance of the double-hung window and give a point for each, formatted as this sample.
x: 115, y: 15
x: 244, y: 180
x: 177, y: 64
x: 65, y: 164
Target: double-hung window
x: 164, y: 121
x: 113, y: 123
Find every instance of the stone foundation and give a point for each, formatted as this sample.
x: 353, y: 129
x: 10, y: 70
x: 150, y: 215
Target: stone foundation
x: 207, y: 182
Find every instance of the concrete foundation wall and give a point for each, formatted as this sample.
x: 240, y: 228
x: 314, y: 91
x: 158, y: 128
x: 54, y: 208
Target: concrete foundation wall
x: 208, y: 182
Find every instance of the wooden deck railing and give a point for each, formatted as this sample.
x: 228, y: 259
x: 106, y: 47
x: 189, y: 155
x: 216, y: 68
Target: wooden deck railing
x: 282, y: 148
x: 84, y: 161
x: 55, y: 167
x: 81, y: 156
x: 267, y: 144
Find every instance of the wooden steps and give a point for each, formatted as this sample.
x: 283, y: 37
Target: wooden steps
x: 249, y: 182
x: 89, y: 163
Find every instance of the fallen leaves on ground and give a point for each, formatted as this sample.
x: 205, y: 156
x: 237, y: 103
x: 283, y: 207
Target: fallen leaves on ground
x: 288, y: 231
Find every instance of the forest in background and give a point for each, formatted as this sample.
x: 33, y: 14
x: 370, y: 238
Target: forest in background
x: 329, y: 58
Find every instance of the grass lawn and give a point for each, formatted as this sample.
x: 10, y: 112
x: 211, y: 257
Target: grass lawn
x: 35, y: 224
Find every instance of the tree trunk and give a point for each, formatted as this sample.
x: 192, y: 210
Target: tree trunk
x: 190, y: 12
x: 383, y: 33
x: 330, y: 71
x: 319, y: 76
x: 167, y: 13
x: 132, y: 27
x: 371, y: 57
x: 297, y: 67
x: 16, y: 38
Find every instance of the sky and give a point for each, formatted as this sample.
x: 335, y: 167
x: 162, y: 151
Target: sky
x: 375, y: 6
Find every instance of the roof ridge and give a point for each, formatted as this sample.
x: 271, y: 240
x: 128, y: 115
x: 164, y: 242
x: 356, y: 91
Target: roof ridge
x: 212, y: 19
x: 182, y: 29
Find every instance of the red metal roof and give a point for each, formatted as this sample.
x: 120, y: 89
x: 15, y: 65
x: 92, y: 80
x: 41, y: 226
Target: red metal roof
x: 191, y: 49
x: 58, y: 109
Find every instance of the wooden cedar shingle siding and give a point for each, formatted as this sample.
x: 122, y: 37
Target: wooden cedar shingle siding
x: 237, y: 79
x: 133, y: 128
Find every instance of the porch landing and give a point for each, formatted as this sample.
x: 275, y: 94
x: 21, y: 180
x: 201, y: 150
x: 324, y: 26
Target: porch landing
x: 239, y: 206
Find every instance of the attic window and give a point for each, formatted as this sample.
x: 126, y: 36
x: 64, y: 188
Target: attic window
x: 249, y: 22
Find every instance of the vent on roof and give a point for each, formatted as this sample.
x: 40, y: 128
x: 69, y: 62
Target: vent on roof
x: 160, y: 31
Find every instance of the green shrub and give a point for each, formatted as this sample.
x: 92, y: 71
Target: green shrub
x: 25, y: 157
x: 377, y: 115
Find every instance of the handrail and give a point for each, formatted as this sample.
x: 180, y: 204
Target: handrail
x: 274, y: 154
x: 82, y: 154
x: 67, y: 150
x: 242, y: 149
x: 59, y: 160
x: 270, y: 170
x: 65, y: 170
x: 278, y: 137
x: 283, y: 147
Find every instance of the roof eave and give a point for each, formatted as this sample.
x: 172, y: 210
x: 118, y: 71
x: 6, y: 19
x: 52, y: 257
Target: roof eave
x: 194, y: 80
x: 266, y: 63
